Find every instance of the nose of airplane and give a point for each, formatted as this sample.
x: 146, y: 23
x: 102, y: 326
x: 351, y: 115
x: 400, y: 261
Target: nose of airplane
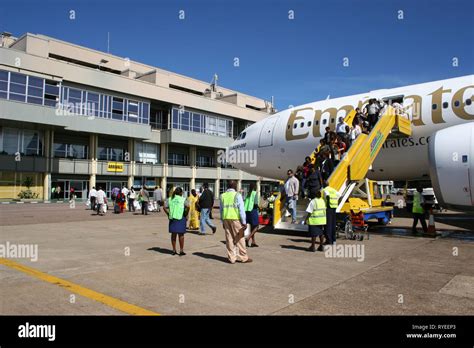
x: 242, y: 152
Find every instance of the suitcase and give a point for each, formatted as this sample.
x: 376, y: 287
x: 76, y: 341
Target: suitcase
x: 116, y: 209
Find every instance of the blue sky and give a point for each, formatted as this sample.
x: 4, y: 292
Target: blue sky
x: 296, y: 61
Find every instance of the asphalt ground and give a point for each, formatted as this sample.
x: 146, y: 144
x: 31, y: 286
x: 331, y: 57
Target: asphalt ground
x: 122, y: 264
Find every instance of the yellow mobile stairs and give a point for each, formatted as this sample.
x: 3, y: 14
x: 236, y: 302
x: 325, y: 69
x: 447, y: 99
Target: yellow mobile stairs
x: 349, y: 176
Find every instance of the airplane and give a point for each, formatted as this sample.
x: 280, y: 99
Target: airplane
x: 441, y: 147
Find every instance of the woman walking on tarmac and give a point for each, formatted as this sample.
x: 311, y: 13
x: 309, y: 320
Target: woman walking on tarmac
x: 193, y: 212
x: 251, y: 213
x: 176, y: 209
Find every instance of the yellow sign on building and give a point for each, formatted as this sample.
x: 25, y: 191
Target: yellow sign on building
x: 114, y: 167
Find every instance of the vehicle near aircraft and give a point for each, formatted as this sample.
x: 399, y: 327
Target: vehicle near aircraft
x: 440, y: 148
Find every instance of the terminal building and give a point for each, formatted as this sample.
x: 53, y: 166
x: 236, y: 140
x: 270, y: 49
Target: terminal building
x: 74, y: 117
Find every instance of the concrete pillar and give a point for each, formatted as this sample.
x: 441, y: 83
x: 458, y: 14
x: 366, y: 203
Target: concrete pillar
x: 192, y: 155
x: 239, y: 184
x: 163, y: 187
x: 192, y: 183
x: 46, y: 186
x: 216, y: 188
x: 48, y: 148
x: 163, y: 153
x: 93, y: 143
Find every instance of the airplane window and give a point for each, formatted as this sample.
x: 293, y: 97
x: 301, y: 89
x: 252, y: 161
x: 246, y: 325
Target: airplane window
x: 242, y: 136
x: 332, y: 120
x: 309, y: 124
x: 317, y: 122
x: 288, y: 127
x: 468, y: 101
x: 295, y: 125
x: 456, y: 104
x: 325, y: 121
x: 434, y: 107
x: 302, y: 124
x: 445, y: 105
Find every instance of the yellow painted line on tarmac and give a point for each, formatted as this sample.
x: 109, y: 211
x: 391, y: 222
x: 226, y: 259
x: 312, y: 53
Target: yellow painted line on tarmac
x: 77, y: 289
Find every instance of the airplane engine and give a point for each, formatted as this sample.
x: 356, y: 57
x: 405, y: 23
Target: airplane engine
x: 451, y: 158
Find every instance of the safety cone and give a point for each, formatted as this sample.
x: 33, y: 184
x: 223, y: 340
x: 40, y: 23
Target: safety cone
x: 431, y: 224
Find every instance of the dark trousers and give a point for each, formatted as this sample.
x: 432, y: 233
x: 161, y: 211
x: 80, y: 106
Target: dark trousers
x: 98, y: 208
x: 421, y: 218
x: 373, y: 120
x: 330, y: 229
x: 130, y: 204
x: 145, y: 208
x: 92, y: 203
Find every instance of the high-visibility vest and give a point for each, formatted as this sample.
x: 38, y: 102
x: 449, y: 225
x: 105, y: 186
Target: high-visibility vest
x: 250, y: 201
x: 332, y: 194
x: 417, y: 208
x: 230, y: 211
x: 176, y: 207
x: 318, y: 216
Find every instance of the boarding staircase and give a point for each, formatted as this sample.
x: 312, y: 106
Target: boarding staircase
x: 350, y: 174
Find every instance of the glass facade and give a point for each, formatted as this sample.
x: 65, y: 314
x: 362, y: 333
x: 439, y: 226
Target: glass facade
x: 70, y: 151
x: 110, y: 153
x: 147, y: 152
x: 88, y: 103
x: 178, y: 159
x: 27, y: 142
x: 39, y: 91
x: 201, y: 123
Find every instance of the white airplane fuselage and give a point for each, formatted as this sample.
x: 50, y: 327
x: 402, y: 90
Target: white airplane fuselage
x: 284, y: 139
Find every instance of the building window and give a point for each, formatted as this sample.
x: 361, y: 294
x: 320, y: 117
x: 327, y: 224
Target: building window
x: 111, y: 153
x: 35, y: 90
x: 27, y: 142
x: 203, y: 160
x: 132, y: 111
x: 92, y: 104
x: 4, y: 84
x: 147, y: 152
x: 17, y: 87
x: 51, y: 93
x: 117, y: 108
x: 70, y: 151
x: 178, y: 159
x: 201, y: 123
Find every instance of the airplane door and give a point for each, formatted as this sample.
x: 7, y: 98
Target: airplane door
x: 266, y: 134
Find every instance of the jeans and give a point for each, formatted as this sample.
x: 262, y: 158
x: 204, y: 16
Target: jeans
x: 290, y: 204
x: 205, y: 220
x: 145, y: 208
x: 131, y: 207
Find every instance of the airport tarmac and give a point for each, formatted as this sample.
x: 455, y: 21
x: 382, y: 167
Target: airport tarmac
x: 122, y: 264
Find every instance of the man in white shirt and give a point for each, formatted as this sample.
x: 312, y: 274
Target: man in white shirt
x: 341, y: 127
x: 93, y: 197
x: 101, y: 200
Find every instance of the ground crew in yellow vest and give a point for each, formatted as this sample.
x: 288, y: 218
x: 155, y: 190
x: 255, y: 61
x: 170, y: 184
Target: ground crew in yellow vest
x: 331, y: 197
x: 234, y: 222
x: 177, y: 210
x: 418, y: 210
x: 316, y: 220
x: 251, y: 214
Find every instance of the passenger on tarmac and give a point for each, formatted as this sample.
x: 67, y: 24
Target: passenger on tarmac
x: 291, y: 190
x: 131, y: 199
x: 101, y: 202
x: 158, y: 198
x: 206, y: 202
x: 251, y: 214
x: 418, y: 210
x: 331, y: 198
x: 313, y: 182
x: 177, y: 210
x: 234, y: 223
x: 144, y: 198
x: 93, y: 197
x: 316, y: 220
x: 193, y: 212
